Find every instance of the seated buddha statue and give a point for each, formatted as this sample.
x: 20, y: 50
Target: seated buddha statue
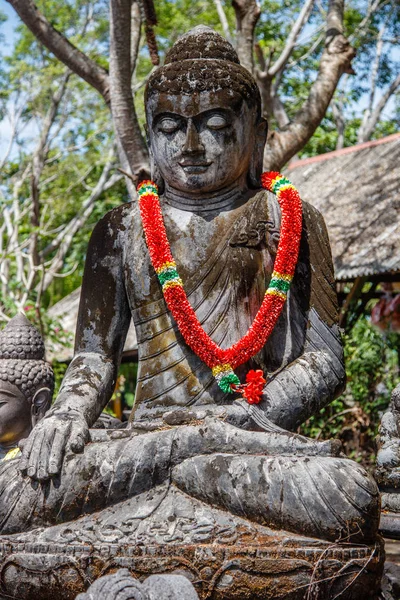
x: 26, y: 384
x: 198, y: 462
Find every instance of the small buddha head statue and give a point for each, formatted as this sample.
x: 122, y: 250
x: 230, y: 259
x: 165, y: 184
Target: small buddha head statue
x: 203, y: 112
x: 26, y: 380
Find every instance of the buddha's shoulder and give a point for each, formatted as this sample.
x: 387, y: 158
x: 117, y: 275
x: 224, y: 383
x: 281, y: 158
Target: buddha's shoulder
x: 120, y: 215
x: 117, y: 222
x: 314, y: 221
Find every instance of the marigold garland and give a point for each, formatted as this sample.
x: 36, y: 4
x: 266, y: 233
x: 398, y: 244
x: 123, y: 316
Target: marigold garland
x: 223, y: 362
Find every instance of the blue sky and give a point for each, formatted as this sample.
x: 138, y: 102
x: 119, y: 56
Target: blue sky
x: 12, y: 21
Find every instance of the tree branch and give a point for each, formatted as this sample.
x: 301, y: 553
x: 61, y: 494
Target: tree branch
x: 38, y: 161
x: 247, y: 14
x: 376, y: 113
x: 62, y: 48
x: 14, y: 119
x: 64, y: 239
x: 340, y: 123
x: 335, y: 60
x: 223, y: 20
x: 334, y: 19
x: 136, y: 29
x: 301, y: 20
x: 374, y: 80
x: 134, y: 153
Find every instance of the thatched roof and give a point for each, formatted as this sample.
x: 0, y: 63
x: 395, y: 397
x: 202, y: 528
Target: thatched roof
x: 357, y: 190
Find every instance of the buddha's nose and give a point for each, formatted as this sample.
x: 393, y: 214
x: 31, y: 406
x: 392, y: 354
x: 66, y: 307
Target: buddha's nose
x: 192, y: 143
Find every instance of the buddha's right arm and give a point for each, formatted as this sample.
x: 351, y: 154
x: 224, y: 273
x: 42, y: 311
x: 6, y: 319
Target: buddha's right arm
x: 103, y: 322
x: 313, y: 380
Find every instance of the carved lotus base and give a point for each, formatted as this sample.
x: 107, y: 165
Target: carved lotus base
x: 225, y: 557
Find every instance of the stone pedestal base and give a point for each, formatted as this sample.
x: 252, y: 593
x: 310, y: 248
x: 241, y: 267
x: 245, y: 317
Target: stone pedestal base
x: 165, y: 531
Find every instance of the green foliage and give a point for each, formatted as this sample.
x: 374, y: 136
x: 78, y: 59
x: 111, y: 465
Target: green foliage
x: 59, y: 372
x: 80, y: 139
x: 370, y: 359
x: 372, y: 369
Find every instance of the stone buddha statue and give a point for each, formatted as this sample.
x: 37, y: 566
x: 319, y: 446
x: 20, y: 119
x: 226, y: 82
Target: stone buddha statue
x: 219, y: 489
x: 26, y: 384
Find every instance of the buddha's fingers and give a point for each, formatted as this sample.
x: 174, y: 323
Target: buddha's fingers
x: 35, y: 456
x: 47, y: 445
x: 42, y: 471
x: 79, y: 436
x: 26, y: 447
x: 56, y: 455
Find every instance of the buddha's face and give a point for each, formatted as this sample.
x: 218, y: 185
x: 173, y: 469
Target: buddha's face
x: 15, y: 414
x: 201, y: 142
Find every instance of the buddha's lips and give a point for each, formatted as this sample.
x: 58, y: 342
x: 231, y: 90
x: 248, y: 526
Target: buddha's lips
x: 194, y: 165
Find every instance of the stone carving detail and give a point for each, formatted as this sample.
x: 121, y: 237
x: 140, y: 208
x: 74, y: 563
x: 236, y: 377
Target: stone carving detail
x: 156, y: 587
x: 221, y: 556
x: 388, y: 467
x: 199, y: 484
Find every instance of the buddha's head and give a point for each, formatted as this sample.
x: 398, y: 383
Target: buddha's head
x: 203, y: 113
x: 26, y: 380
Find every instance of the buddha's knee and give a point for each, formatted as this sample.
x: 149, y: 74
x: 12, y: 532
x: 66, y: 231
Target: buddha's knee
x: 328, y: 498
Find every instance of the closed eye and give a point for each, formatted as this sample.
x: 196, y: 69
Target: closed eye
x: 168, y: 125
x: 217, y: 122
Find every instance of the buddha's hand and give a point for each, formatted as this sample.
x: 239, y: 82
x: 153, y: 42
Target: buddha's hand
x: 44, y: 450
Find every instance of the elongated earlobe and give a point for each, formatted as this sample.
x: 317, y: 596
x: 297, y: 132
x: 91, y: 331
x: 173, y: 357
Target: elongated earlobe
x: 156, y: 176
x: 155, y: 173
x: 256, y: 164
x: 40, y: 405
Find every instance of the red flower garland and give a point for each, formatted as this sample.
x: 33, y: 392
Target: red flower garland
x: 194, y: 335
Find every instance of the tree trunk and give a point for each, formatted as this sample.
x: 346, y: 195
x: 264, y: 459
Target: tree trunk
x: 129, y: 136
x: 247, y: 14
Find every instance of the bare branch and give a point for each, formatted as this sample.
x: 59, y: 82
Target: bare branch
x: 374, y: 80
x: 136, y: 28
x: 377, y: 112
x: 340, y: 123
x: 336, y: 60
x: 372, y: 8
x: 38, y: 161
x: 301, y: 20
x: 65, y: 238
x: 14, y: 119
x: 311, y: 49
x: 247, y: 14
x: 223, y: 20
x: 129, y: 137
x: 62, y: 48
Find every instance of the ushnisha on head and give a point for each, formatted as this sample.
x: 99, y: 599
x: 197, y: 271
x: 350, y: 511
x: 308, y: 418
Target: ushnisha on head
x: 203, y: 113
x: 26, y: 380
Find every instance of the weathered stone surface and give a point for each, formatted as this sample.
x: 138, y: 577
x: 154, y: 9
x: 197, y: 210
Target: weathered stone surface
x: 387, y: 471
x: 391, y: 582
x: 165, y: 531
x: 121, y: 586
x: 199, y: 485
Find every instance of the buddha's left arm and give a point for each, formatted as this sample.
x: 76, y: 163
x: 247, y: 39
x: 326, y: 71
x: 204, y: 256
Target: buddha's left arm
x: 317, y: 375
x: 103, y: 322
